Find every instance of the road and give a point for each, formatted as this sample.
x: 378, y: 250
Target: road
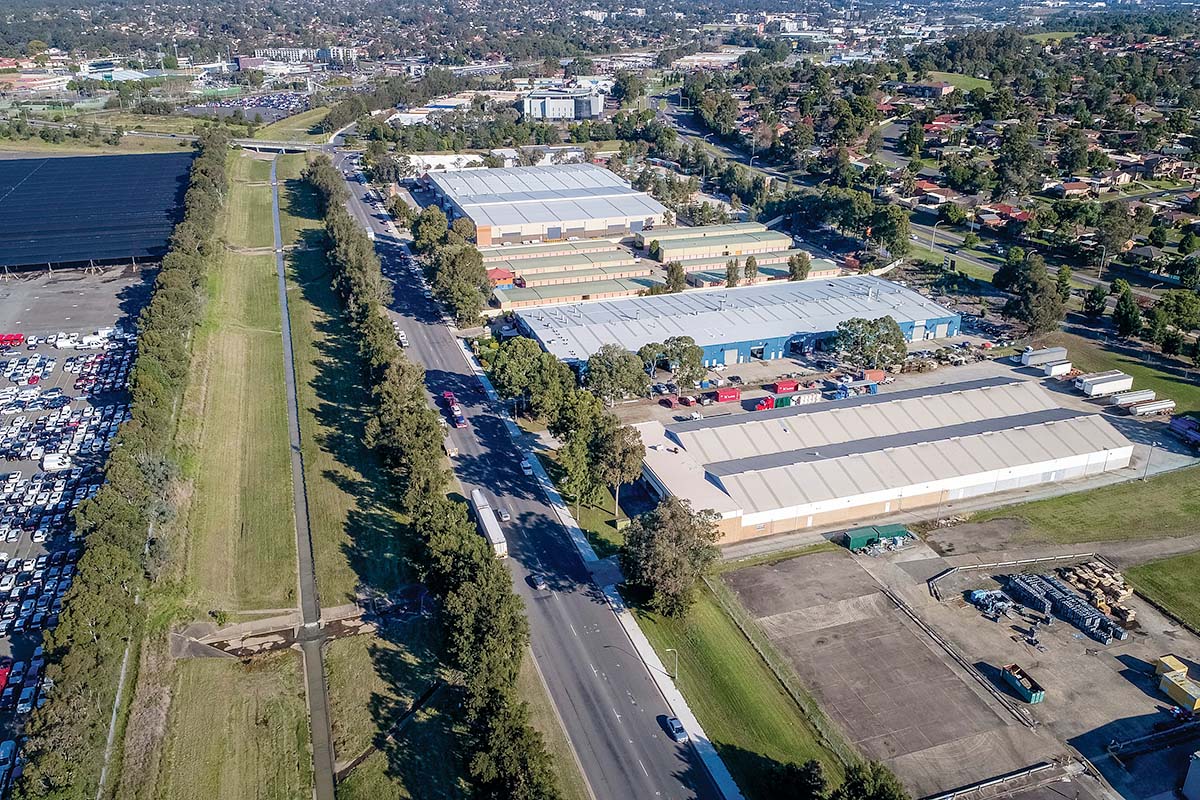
x: 612, y: 711
x: 310, y: 605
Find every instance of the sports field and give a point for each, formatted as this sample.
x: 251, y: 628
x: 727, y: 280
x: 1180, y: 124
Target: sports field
x: 237, y: 731
x: 233, y: 439
x: 300, y: 127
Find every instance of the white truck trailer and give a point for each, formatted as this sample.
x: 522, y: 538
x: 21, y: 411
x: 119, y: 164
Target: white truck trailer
x: 488, y: 524
x: 1152, y: 407
x: 1125, y: 399
x: 1035, y: 358
x: 1103, y: 384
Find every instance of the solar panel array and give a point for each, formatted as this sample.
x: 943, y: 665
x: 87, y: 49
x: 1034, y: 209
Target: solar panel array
x: 89, y: 208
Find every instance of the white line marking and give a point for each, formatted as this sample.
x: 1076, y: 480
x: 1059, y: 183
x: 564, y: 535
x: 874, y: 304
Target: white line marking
x: 573, y: 630
x: 643, y: 766
x: 618, y: 715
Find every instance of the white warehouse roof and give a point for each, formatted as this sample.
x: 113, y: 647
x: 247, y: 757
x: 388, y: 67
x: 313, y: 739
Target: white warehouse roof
x: 545, y: 194
x: 813, y: 458
x: 722, y: 316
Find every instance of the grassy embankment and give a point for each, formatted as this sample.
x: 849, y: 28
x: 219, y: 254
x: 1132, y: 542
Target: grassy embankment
x: 300, y: 127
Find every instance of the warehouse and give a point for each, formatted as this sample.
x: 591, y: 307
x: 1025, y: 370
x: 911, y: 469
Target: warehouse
x: 837, y: 462
x: 529, y: 204
x: 734, y: 245
x: 735, y: 326
x: 557, y: 104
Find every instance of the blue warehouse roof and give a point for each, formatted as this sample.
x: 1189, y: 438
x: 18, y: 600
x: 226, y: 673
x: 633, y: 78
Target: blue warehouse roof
x: 715, y: 317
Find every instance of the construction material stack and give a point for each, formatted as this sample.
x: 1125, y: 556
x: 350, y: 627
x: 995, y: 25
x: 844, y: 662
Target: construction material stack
x: 1104, y: 586
x: 1046, y: 593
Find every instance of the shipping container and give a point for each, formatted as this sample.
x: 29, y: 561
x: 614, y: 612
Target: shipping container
x: 1030, y: 690
x: 1136, y: 396
x: 782, y: 386
x: 858, y: 538
x: 876, y: 375
x: 728, y: 394
x: 1053, y: 369
x: 1168, y: 664
x: 1152, y: 407
x: 1035, y: 358
x: 1183, y: 691
x: 806, y: 397
x: 783, y: 400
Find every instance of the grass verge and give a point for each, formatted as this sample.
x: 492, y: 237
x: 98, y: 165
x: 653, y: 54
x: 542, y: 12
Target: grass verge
x: 596, y: 520
x: 1111, y: 513
x: 248, y: 220
x: 357, y: 532
x: 542, y: 716
x: 374, y: 679
x: 74, y: 147
x: 748, y: 715
x: 300, y: 127
x: 1171, y: 583
x: 237, y: 731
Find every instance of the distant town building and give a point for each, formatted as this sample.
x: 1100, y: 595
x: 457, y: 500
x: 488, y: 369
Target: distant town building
x: 289, y: 55
x: 563, y: 104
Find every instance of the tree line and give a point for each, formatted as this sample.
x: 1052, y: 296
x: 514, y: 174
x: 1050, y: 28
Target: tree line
x: 100, y: 615
x: 486, y: 633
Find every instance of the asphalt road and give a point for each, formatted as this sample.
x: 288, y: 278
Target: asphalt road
x: 612, y: 711
x: 310, y: 604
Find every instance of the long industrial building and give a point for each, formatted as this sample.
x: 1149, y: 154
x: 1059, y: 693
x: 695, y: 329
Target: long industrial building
x: 837, y: 462
x: 546, y: 203
x: 735, y: 326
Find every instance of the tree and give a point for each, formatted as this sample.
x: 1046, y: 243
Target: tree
x: 686, y: 359
x: 870, y: 781
x: 510, y: 759
x: 871, y: 343
x: 751, y: 269
x: 676, y: 277
x: 799, y: 266
x: 1005, y: 278
x: 460, y: 280
x: 628, y: 88
x: 667, y: 550
x: 399, y: 211
x: 874, y: 140
x: 462, y: 231
x: 1037, y: 302
x: 430, y: 229
x: 515, y: 366
x: 732, y: 273
x: 1127, y: 316
x: 1181, y: 307
x: 1063, y: 283
x: 1189, y: 243
x: 952, y: 214
x: 619, y: 452
x: 614, y: 373
x: 970, y: 240
x: 890, y: 228
x: 1095, y: 302
x: 913, y: 139
x: 805, y: 781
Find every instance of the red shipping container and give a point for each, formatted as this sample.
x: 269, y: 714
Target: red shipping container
x: 785, y: 386
x: 876, y: 375
x: 728, y: 394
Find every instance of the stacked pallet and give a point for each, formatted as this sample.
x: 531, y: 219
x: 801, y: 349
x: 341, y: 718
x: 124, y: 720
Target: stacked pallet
x: 1104, y: 587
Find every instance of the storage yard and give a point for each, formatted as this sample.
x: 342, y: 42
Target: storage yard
x: 925, y: 689
x: 524, y: 204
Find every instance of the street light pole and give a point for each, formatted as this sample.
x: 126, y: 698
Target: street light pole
x: 676, y: 652
x: 1150, y: 455
x: 1103, y: 258
x: 933, y: 235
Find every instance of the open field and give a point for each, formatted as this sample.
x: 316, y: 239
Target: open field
x: 356, y: 529
x: 964, y: 83
x: 144, y: 122
x: 542, y: 716
x: 300, y: 127
x: 237, y: 731
x: 251, y: 170
x: 1173, y: 583
x: 1164, y: 505
x: 248, y: 215
x: 374, y: 679
x: 421, y: 764
x: 240, y: 549
x: 1090, y: 355
x: 747, y: 714
x: 74, y: 147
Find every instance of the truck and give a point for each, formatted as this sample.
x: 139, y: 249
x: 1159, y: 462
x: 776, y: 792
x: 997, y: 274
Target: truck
x: 847, y: 389
x: 1152, y: 407
x: 1103, y: 384
x: 1124, y: 399
x: 729, y: 394
x: 1186, y: 428
x: 1036, y: 358
x: 89, y: 342
x: 489, y: 525
x: 1023, y: 683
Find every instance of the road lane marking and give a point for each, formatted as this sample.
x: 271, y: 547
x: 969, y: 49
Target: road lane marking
x: 573, y: 630
x: 643, y: 766
x: 618, y: 715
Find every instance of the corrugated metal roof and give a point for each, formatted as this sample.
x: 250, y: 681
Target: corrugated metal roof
x: 566, y: 193
x: 720, y: 316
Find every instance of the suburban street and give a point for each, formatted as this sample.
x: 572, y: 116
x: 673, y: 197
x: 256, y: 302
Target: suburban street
x: 612, y: 711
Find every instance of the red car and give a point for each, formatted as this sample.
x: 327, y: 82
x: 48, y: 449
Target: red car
x: 6, y: 665
x: 450, y: 399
